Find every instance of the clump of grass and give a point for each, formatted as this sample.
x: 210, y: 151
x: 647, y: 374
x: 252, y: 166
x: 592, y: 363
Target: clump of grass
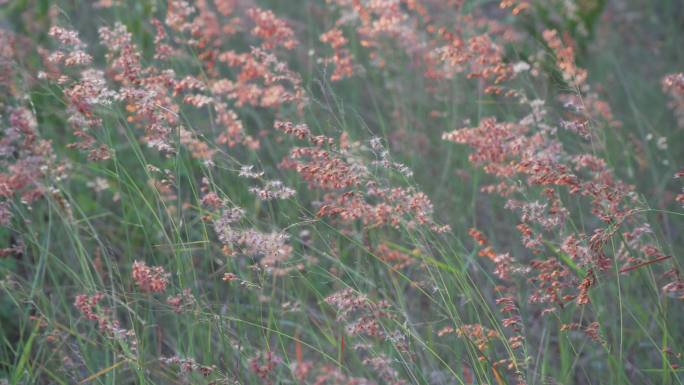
x: 355, y: 192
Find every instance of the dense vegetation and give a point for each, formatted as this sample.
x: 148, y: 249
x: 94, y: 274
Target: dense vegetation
x: 342, y: 192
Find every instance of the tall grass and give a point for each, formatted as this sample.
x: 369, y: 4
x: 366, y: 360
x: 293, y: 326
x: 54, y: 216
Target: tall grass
x: 341, y: 192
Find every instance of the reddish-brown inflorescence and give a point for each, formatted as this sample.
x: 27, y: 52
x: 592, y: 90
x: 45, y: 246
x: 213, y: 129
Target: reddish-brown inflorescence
x: 533, y: 171
x: 565, y: 59
x: 27, y: 161
x: 382, y: 366
x: 364, y: 317
x: 272, y: 30
x: 149, y: 278
x: 674, y: 288
x: 351, y: 187
x: 83, y: 94
x: 673, y: 86
x: 181, y: 302
x: 506, y: 150
x: 91, y: 309
x: 396, y: 259
x: 517, y: 6
x: 341, y: 58
x: 263, y: 364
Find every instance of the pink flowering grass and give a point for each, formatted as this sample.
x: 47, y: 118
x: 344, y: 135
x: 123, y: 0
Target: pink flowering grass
x: 341, y: 192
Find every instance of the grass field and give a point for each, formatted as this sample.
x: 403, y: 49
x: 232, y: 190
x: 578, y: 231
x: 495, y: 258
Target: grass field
x: 342, y: 192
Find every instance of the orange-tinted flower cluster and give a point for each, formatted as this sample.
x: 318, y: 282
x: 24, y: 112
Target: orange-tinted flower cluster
x: 73, y: 45
x: 321, y: 168
x: 26, y: 161
x: 353, y: 192
x: 545, y: 183
x: 586, y: 112
x: 263, y: 364
x: 149, y: 92
x: 674, y: 288
x: 680, y: 197
x: 90, y: 308
x: 376, y: 21
x: 516, y: 5
x: 364, y: 314
x: 505, y: 266
x: 84, y: 94
x: 181, y: 302
x: 565, y: 58
x: 673, y: 86
x: 507, y: 150
x: 381, y: 365
x: 149, y: 278
x: 504, y: 263
x: 28, y: 165
x: 552, y: 281
x: 479, y: 57
x: 584, y: 108
x: 364, y: 317
x: 341, y: 58
x: 394, y: 258
x: 8, y: 55
x: 478, y: 334
x: 272, y: 30
x: 591, y: 330
x: 146, y: 93
x: 262, y: 81
x: 388, y: 27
